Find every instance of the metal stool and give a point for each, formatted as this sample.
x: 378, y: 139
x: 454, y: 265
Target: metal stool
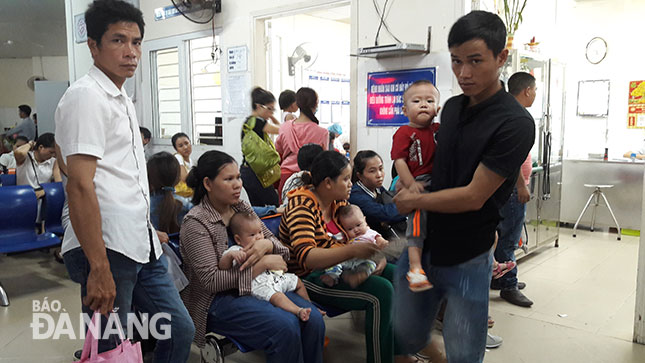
x: 596, y: 194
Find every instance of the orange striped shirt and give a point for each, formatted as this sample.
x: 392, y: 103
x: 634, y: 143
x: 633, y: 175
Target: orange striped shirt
x: 302, y: 228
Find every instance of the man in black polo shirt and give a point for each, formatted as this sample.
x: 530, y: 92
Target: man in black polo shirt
x: 485, y: 136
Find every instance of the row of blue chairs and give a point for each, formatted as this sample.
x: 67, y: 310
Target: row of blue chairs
x: 7, y: 179
x: 18, y: 212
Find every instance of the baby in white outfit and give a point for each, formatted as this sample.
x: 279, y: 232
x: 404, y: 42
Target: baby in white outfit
x: 270, y: 286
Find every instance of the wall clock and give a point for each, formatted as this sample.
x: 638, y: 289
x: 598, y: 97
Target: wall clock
x: 596, y: 50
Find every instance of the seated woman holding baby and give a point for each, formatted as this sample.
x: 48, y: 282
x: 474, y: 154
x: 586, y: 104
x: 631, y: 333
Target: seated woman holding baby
x: 222, y: 296
x: 323, y: 235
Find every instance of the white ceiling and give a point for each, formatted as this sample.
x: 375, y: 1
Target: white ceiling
x: 340, y: 13
x: 34, y: 27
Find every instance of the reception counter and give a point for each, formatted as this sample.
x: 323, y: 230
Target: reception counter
x: 625, y: 197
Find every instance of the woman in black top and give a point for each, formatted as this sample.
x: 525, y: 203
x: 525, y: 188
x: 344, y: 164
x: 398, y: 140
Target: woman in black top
x: 263, y: 104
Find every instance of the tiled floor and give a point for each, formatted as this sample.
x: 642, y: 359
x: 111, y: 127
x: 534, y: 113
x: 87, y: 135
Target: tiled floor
x: 584, y: 294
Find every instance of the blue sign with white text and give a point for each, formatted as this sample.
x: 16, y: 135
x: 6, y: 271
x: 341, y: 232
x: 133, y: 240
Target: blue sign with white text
x: 385, y: 94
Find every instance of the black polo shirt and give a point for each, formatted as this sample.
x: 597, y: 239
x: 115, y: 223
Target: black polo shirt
x: 498, y: 133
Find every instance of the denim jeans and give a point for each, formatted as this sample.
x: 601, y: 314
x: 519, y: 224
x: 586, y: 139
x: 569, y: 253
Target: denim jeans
x: 464, y: 287
x: 510, y: 231
x: 146, y: 287
x: 258, y: 325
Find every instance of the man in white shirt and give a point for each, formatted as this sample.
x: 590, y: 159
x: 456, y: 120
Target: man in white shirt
x: 111, y: 248
x: 8, y: 160
x: 26, y: 127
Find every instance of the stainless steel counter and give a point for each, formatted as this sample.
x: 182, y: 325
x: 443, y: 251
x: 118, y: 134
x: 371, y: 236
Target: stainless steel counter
x: 625, y: 197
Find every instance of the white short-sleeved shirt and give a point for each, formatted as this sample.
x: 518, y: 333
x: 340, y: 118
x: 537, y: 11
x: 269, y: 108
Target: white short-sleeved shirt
x: 96, y: 118
x: 44, y: 172
x: 188, y: 165
x: 8, y: 160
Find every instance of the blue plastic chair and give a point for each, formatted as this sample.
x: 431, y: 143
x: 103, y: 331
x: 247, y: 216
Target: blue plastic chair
x: 272, y: 222
x: 53, y: 207
x: 17, y: 221
x: 7, y: 179
x: 17, y: 225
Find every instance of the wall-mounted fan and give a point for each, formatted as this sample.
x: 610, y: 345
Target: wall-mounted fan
x: 305, y: 55
x: 32, y: 79
x: 198, y: 11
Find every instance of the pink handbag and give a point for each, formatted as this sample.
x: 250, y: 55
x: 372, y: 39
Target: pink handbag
x: 125, y: 352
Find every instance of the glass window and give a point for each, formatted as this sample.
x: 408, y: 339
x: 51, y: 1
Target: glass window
x: 206, y: 92
x: 166, y: 99
x: 187, y: 90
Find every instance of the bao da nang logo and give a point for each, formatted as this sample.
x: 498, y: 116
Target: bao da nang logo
x: 51, y: 321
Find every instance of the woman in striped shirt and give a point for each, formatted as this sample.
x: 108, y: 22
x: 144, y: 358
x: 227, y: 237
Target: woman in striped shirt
x: 309, y: 227
x: 219, y: 300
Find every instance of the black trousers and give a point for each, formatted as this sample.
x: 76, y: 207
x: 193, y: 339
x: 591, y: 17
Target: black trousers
x: 258, y: 195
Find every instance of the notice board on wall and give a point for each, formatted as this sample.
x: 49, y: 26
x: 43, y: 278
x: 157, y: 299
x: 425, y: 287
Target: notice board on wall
x: 593, y: 98
x: 636, y: 105
x: 385, y: 94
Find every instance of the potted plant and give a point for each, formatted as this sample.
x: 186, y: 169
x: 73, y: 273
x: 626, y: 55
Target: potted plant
x: 513, y: 17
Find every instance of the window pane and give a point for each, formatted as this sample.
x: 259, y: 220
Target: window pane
x: 201, y: 42
x: 167, y: 56
x: 201, y: 54
x: 168, y: 130
x: 166, y: 105
x: 206, y: 92
x: 202, y: 93
x: 169, y: 94
x: 170, y: 118
x: 206, y: 118
x: 168, y: 82
x: 168, y: 70
x: 207, y: 105
x: 203, y: 80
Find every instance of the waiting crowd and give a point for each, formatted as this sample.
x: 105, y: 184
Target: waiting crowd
x: 419, y: 253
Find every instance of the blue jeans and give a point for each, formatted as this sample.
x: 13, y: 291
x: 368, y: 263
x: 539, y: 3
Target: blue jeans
x: 147, y: 287
x: 464, y: 287
x: 510, y: 231
x: 258, y: 325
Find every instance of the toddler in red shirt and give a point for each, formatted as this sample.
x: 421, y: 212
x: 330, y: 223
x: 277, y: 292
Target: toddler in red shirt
x: 413, y: 148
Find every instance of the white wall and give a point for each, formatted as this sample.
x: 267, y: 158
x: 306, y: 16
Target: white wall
x: 330, y: 42
x: 410, y: 26
x: 236, y: 26
x: 563, y: 28
x: 14, y: 73
x: 619, y: 23
x: 329, y: 38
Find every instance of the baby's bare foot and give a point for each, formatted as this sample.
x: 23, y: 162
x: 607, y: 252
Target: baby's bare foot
x: 303, y: 314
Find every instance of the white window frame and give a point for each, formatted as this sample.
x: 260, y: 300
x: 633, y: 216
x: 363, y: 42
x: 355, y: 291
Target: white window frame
x: 150, y: 114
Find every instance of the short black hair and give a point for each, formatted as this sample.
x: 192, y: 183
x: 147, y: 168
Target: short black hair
x: 286, y: 99
x: 307, y: 154
x: 235, y: 223
x: 176, y: 137
x: 347, y: 210
x: 47, y: 140
x: 22, y: 138
x: 328, y: 164
x: 260, y: 96
x: 519, y: 82
x: 101, y: 13
x: 479, y: 25
x: 25, y: 109
x: 145, y: 132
